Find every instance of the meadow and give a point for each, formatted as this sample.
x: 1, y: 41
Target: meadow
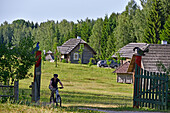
x: 84, y: 87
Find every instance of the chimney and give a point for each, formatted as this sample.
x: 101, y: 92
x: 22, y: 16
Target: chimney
x: 164, y: 42
x: 78, y: 37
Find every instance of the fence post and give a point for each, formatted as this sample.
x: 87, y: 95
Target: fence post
x: 16, y: 91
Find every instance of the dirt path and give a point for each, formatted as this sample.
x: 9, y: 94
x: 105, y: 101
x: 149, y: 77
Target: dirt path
x: 108, y: 111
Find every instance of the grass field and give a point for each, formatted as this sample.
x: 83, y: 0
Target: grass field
x: 84, y: 86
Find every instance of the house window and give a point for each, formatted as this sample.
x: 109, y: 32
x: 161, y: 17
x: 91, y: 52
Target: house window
x: 76, y: 56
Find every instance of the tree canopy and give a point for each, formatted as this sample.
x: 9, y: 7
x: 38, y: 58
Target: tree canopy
x: 149, y: 23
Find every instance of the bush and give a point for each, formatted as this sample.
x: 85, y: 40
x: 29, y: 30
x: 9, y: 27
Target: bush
x: 64, y: 61
x: 79, y: 61
x: 90, y: 62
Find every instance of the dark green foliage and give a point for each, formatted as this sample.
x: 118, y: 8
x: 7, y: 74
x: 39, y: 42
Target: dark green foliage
x: 165, y: 34
x: 125, y: 30
x: 104, y: 38
x: 147, y: 24
x: 95, y: 38
x: 161, y: 67
x: 108, y: 62
x: 63, y: 61
x: 91, y: 62
x: 110, y: 45
x: 155, y: 21
x: 15, y: 61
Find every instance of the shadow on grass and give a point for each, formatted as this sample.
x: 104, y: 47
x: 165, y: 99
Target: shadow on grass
x: 72, y: 98
x: 78, y: 100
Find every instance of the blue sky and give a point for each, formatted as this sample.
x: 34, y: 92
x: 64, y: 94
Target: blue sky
x: 71, y: 10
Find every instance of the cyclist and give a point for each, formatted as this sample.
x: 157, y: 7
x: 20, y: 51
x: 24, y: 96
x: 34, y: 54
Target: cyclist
x: 54, y: 86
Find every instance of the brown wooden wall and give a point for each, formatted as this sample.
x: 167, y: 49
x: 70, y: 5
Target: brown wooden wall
x: 87, y: 54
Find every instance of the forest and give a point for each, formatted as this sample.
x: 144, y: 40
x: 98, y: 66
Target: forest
x: 147, y: 24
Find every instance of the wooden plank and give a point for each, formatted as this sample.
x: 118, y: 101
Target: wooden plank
x: 16, y: 91
x: 138, y: 85
x: 157, y: 75
x: 153, y: 92
x: 163, y: 93
x: 160, y: 90
x: 6, y: 95
x: 166, y: 95
x: 141, y: 86
x: 6, y: 86
x: 135, y: 86
x: 144, y: 86
x: 150, y: 86
x: 147, y: 84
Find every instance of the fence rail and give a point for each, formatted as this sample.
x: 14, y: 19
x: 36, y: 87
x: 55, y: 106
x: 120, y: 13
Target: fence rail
x: 10, y: 91
x: 150, y: 89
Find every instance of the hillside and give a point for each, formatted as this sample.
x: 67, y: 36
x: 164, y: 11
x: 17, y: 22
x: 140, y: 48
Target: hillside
x: 83, y: 86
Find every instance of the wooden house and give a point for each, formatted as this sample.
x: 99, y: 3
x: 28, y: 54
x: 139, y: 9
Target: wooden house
x: 70, y: 51
x: 157, y: 53
x: 126, y: 52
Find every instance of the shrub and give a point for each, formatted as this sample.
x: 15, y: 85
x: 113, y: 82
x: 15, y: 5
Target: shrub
x: 79, y: 61
x: 64, y: 61
x: 90, y: 62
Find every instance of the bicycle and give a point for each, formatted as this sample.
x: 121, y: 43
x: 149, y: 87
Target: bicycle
x: 58, y: 99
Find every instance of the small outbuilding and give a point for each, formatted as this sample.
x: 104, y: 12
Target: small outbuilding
x: 49, y: 56
x: 122, y: 75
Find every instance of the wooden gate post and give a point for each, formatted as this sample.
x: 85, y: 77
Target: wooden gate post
x: 37, y: 79
x: 136, y: 83
x: 16, y: 91
x: 138, y: 56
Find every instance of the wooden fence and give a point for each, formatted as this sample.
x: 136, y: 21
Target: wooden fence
x: 10, y: 91
x: 150, y: 89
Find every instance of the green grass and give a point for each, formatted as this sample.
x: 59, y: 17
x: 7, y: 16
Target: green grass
x: 84, y: 86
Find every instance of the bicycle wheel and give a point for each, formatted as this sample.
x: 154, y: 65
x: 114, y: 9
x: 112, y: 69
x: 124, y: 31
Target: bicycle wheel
x: 58, y: 101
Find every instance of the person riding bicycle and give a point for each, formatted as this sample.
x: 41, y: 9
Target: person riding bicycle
x: 54, y: 86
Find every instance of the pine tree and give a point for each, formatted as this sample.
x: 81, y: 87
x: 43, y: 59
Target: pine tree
x: 110, y: 45
x: 95, y: 38
x: 104, y: 38
x: 155, y: 22
x: 124, y: 31
x: 166, y: 31
x: 84, y: 32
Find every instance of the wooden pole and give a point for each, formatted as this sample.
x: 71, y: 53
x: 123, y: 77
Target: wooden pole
x: 16, y: 91
x: 136, y: 81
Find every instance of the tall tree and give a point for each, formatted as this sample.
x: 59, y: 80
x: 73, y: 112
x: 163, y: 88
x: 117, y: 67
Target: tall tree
x: 155, y: 21
x: 111, y: 39
x: 165, y: 34
x: 74, y: 30
x: 84, y: 32
x: 95, y: 38
x: 104, y: 38
x: 110, y: 46
x: 124, y: 31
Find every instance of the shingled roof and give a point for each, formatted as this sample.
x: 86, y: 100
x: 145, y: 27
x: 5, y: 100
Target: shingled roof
x: 127, y: 51
x: 123, y: 68
x: 157, y: 53
x: 69, y: 45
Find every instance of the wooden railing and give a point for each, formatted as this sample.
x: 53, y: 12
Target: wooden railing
x: 150, y: 89
x: 10, y: 91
